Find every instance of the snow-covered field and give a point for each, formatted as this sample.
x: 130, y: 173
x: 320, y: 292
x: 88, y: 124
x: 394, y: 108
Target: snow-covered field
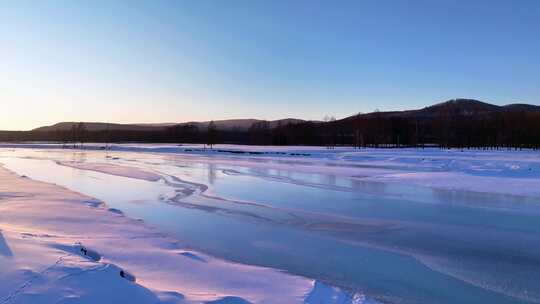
x: 468, y: 219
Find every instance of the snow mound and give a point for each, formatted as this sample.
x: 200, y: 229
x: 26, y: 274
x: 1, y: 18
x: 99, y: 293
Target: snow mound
x: 229, y: 300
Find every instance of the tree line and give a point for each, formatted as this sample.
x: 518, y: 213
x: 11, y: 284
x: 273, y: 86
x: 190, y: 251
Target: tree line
x: 512, y: 129
x: 493, y: 130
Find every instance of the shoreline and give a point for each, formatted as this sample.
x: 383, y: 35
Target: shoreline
x: 39, y: 249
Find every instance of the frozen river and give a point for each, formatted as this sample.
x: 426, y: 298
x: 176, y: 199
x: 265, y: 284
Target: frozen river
x: 393, y: 243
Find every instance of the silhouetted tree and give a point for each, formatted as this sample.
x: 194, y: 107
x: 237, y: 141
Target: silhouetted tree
x: 74, y: 135
x: 81, y: 133
x: 211, y: 134
x: 107, y: 136
x: 259, y: 133
x: 358, y: 137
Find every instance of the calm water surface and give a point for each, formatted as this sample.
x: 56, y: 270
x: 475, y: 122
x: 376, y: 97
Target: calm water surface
x: 396, y: 244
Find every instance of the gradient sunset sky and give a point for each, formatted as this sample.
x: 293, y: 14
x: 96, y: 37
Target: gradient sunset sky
x: 173, y: 61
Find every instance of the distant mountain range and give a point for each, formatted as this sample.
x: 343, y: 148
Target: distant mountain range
x: 452, y: 107
x: 453, y: 123
x: 228, y: 125
x: 472, y: 106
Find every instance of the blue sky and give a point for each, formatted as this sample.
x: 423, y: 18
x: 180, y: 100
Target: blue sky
x: 172, y: 61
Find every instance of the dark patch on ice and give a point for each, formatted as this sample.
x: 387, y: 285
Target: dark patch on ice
x: 33, y: 235
x: 186, y: 191
x: 117, y: 211
x: 180, y: 183
x: 93, y: 203
x: 231, y: 172
x: 180, y: 194
x: 344, y: 227
x: 220, y: 210
x: 193, y: 256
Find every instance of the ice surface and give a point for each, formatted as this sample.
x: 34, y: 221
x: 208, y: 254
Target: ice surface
x: 389, y: 224
x: 40, y: 264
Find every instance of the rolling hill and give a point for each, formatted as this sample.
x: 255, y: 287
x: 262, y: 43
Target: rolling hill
x: 227, y: 125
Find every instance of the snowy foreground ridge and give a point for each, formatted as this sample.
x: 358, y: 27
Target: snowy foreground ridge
x: 57, y: 246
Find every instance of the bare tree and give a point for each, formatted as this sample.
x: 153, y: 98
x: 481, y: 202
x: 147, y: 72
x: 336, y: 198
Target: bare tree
x: 211, y: 140
x: 327, y: 133
x: 62, y: 137
x: 81, y: 133
x: 358, y: 135
x: 260, y: 133
x: 107, y: 136
x: 74, y: 135
x: 333, y: 131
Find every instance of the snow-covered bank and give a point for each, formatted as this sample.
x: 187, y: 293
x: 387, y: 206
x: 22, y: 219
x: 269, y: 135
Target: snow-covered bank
x: 58, y: 246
